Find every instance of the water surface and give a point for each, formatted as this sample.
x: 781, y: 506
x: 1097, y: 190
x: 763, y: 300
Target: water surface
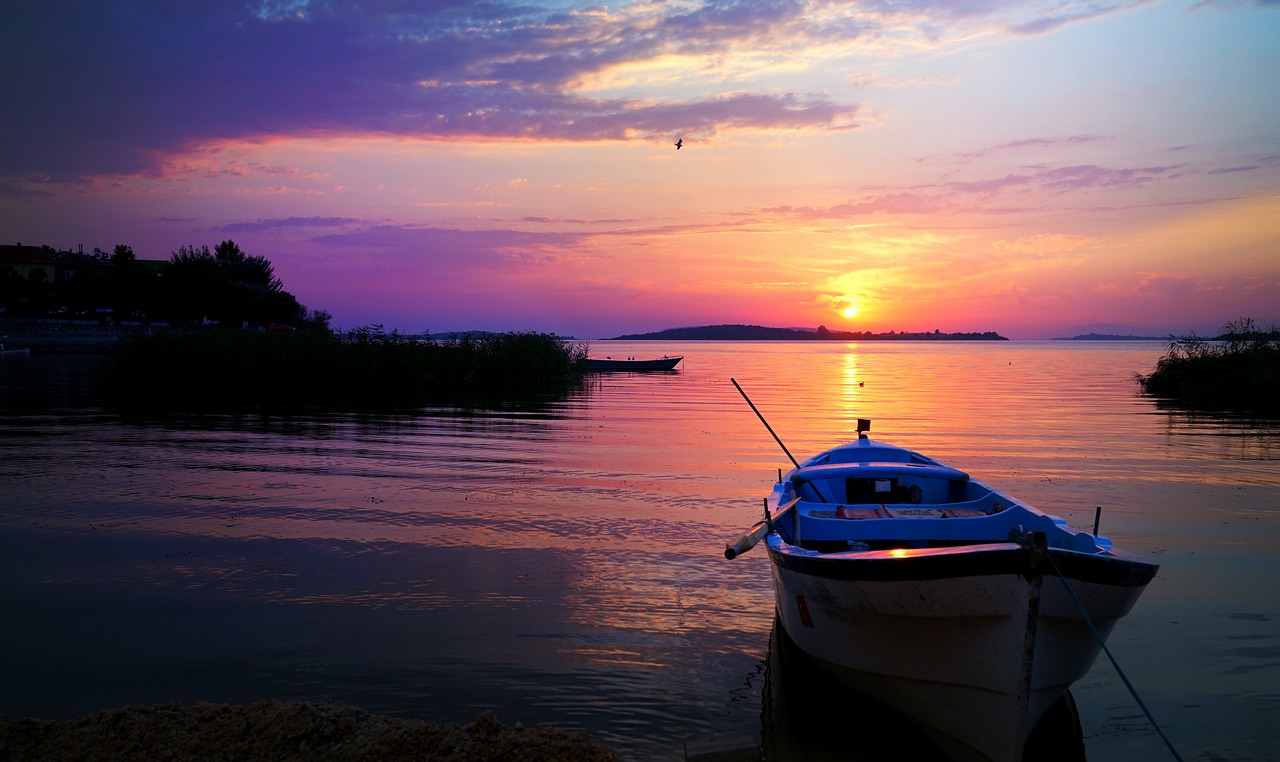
x: 559, y: 560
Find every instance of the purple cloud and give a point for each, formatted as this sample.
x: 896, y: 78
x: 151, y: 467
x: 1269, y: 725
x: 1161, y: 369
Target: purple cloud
x: 1092, y: 176
x: 288, y: 222
x: 1016, y: 16
x: 1033, y: 143
x: 954, y: 197
x: 451, y: 246
x: 1054, y: 20
x: 107, y: 87
x: 572, y: 221
x: 891, y: 203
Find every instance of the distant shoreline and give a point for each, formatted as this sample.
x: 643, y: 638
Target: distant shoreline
x: 1108, y: 337
x: 763, y: 333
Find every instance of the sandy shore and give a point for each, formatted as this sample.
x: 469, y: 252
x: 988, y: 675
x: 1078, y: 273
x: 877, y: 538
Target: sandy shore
x: 275, y: 730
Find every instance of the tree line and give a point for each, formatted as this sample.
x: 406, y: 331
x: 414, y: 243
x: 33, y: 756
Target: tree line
x: 225, y: 286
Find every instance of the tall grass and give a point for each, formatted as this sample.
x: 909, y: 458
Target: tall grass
x: 1240, y: 370
x: 366, y: 367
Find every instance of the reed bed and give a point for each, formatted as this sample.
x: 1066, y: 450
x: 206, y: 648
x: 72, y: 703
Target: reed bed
x: 1240, y: 370
x: 366, y: 367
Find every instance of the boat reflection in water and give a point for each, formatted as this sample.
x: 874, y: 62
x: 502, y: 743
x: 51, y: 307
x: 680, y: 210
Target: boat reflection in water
x: 808, y: 714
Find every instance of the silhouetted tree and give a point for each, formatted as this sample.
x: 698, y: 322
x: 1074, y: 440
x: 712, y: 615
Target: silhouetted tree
x: 227, y: 285
x: 86, y: 291
x: 316, y: 321
x: 268, y: 307
x: 123, y: 256
x: 133, y: 289
x: 22, y: 296
x: 195, y: 287
x: 244, y: 269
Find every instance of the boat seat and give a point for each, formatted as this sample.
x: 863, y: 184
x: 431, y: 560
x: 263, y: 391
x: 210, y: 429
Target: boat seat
x: 896, y: 512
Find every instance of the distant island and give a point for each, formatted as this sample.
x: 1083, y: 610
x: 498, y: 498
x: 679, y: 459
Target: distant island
x: 762, y: 333
x: 1109, y: 337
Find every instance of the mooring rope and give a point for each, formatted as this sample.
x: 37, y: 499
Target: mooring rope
x: 1132, y: 691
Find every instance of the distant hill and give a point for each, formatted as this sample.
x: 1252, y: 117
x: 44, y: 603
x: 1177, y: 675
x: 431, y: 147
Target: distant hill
x: 474, y: 335
x: 763, y: 333
x: 1109, y: 337
x: 1113, y: 332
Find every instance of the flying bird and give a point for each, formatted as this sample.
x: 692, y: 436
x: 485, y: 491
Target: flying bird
x: 679, y: 143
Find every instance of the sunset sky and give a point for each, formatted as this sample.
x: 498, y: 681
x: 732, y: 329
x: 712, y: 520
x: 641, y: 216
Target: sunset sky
x: 1020, y: 166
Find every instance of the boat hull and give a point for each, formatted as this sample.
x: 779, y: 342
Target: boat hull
x: 974, y: 643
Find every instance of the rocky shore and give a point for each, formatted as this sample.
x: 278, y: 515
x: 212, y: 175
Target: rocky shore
x: 276, y: 730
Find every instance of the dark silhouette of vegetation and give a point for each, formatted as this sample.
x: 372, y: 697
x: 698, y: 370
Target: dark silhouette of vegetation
x: 19, y: 295
x: 1239, y: 370
x: 225, y: 286
x: 366, y: 367
x: 199, y: 356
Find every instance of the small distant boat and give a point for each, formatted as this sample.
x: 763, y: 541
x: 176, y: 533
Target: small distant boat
x: 608, y: 363
x: 965, y: 609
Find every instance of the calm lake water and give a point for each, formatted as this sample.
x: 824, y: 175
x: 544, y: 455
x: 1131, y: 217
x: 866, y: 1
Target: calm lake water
x: 560, y: 561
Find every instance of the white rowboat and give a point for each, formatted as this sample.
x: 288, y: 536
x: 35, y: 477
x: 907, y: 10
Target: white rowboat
x: 942, y: 597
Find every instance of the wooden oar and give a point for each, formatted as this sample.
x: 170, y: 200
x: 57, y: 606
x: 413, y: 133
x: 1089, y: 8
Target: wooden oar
x: 734, y: 381
x: 760, y: 415
x: 747, y: 541
x: 754, y: 535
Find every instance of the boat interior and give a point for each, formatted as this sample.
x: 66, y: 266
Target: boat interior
x: 862, y: 497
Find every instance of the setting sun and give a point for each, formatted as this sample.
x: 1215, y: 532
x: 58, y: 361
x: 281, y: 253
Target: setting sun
x: 850, y: 311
